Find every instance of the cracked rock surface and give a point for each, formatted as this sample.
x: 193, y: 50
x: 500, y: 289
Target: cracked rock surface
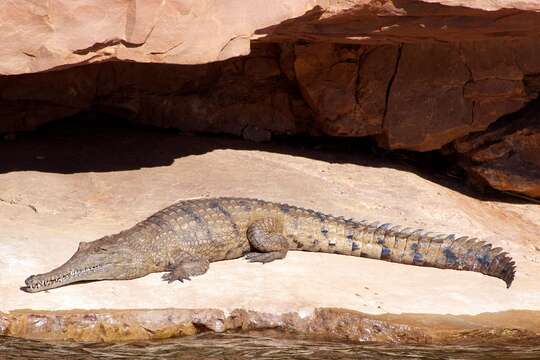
x: 413, y: 75
x: 506, y: 155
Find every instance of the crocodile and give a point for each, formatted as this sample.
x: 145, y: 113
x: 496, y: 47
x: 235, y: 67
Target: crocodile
x: 184, y: 238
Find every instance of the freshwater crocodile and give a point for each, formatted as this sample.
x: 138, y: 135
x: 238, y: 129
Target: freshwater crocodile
x: 184, y: 238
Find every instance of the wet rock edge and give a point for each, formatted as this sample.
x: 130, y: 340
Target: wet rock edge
x: 521, y: 326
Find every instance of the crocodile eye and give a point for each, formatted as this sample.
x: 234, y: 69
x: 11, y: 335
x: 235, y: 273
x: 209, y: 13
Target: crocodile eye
x: 101, y: 250
x: 83, y: 245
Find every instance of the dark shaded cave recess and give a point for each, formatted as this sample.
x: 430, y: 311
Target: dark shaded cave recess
x: 428, y: 106
x: 96, y: 141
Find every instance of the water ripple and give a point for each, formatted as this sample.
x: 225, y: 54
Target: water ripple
x: 241, y: 346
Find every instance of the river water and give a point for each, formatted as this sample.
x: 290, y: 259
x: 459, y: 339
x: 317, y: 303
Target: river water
x: 240, y: 346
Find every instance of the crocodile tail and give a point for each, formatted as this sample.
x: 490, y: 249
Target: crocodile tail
x: 416, y: 247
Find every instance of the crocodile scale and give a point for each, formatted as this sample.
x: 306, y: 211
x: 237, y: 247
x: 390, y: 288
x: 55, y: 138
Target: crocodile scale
x: 187, y: 236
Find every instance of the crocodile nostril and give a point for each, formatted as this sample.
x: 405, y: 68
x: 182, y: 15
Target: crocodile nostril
x: 29, y: 280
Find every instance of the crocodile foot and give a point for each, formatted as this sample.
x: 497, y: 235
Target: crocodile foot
x: 174, y: 275
x: 186, y: 269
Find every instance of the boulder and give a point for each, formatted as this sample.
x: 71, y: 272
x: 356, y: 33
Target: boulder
x: 413, y: 75
x: 506, y: 155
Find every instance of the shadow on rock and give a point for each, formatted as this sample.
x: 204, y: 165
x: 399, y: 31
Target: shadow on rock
x: 91, y: 142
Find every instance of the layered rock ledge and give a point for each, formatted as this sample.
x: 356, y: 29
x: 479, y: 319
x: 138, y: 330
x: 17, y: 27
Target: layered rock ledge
x: 513, y: 327
x: 413, y: 75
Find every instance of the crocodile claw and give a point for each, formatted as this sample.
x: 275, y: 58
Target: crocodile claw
x: 174, y: 275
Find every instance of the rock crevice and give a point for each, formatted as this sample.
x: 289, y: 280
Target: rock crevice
x: 413, y: 75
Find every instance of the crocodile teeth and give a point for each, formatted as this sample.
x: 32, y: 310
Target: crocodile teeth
x: 66, y: 276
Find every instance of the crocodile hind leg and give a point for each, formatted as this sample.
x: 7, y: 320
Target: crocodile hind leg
x: 265, y: 238
x: 184, y: 266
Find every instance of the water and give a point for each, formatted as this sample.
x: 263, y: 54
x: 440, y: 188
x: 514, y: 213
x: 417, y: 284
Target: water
x: 240, y: 346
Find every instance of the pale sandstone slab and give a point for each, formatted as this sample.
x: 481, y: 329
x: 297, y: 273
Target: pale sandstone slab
x: 44, y: 214
x: 38, y: 36
x: 414, y: 75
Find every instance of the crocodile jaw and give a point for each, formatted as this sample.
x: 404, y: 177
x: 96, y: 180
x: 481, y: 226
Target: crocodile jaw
x: 62, y: 276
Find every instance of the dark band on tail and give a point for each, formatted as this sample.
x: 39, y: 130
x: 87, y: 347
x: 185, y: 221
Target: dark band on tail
x: 417, y: 247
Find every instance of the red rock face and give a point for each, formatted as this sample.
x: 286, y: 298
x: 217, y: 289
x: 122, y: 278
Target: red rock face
x: 414, y: 75
x: 506, y: 155
x: 247, y: 93
x: 346, y: 85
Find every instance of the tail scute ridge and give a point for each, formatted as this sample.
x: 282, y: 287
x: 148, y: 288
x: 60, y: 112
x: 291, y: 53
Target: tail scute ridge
x: 416, y: 247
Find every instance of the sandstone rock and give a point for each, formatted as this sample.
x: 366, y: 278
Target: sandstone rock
x: 227, y: 97
x: 325, y: 323
x: 505, y: 156
x: 362, y: 68
x: 341, y: 69
x: 346, y: 86
x: 444, y: 84
x: 43, y: 36
x: 327, y: 77
x: 443, y: 92
x: 426, y: 104
x: 346, y: 90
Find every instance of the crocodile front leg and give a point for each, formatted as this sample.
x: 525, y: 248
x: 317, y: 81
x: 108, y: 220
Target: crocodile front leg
x: 265, y: 237
x: 184, y: 266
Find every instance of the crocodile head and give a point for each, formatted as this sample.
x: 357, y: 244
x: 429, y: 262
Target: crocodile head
x: 108, y: 258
